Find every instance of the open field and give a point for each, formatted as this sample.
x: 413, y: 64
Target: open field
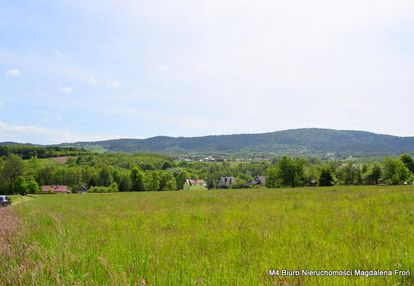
x: 230, y: 237
x: 45, y: 162
x: 62, y: 159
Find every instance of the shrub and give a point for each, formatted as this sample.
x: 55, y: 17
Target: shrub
x: 101, y: 189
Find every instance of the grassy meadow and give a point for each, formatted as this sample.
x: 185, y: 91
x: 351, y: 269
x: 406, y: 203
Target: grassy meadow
x: 223, y: 237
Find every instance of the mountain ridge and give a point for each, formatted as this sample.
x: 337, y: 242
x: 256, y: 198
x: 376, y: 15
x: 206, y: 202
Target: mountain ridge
x: 291, y: 141
x: 302, y: 141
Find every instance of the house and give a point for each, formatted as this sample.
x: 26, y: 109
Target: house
x: 192, y: 184
x: 226, y: 182
x: 55, y: 189
x: 81, y: 189
x: 259, y: 181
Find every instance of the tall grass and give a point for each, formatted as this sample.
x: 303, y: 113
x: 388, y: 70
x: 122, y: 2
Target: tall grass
x: 230, y: 237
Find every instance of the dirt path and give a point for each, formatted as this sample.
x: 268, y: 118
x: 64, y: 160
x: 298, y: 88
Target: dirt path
x: 8, y: 224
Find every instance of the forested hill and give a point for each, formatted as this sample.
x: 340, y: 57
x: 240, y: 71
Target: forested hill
x: 294, y: 142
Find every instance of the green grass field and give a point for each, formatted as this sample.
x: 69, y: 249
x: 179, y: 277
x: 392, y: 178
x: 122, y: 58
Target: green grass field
x: 43, y: 162
x: 230, y: 237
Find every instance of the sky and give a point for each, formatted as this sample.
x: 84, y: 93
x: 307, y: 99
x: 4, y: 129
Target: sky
x: 91, y: 70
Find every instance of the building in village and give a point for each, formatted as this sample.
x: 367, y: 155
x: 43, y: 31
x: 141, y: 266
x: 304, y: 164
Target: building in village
x: 55, y: 189
x: 226, y: 182
x: 194, y: 184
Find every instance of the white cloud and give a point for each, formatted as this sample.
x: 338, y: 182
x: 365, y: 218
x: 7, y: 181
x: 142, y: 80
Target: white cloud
x: 48, y: 120
x: 92, y: 81
x: 202, y: 68
x: 13, y: 72
x: 39, y: 135
x: 66, y: 89
x: 58, y: 54
x: 162, y: 67
x: 115, y: 85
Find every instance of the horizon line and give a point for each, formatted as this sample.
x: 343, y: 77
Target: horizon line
x: 201, y: 136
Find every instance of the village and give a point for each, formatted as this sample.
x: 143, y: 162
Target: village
x: 190, y: 184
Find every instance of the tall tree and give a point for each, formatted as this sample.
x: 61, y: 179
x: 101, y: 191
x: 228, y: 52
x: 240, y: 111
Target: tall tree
x: 273, y: 179
x: 350, y: 174
x: 290, y: 171
x: 326, y: 177
x: 168, y: 182
x: 20, y: 186
x: 152, y: 181
x: 137, y: 180
x: 181, y: 178
x: 408, y: 161
x: 395, y: 171
x: 32, y: 186
x: 12, y: 168
x: 373, y: 174
x: 125, y: 183
x: 105, y: 176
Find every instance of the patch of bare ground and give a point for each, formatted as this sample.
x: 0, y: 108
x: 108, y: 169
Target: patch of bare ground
x: 15, y: 255
x: 62, y: 160
x: 8, y: 224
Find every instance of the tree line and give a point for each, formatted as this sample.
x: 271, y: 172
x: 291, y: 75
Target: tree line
x: 293, y: 172
x: 151, y: 172
x: 29, y: 151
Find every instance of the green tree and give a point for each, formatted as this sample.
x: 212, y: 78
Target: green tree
x: 373, y: 174
x: 326, y: 177
x: 33, y: 165
x: 181, y: 178
x: 20, y: 186
x: 152, y: 181
x: 125, y: 183
x: 167, y: 182
x: 105, y: 177
x: 90, y: 176
x: 273, y: 179
x: 290, y: 171
x: 114, y: 187
x: 72, y: 177
x: 45, y: 176
x: 408, y: 162
x: 137, y: 180
x: 311, y: 175
x: 350, y: 174
x: 395, y: 171
x: 167, y: 165
x: 32, y: 186
x: 12, y: 168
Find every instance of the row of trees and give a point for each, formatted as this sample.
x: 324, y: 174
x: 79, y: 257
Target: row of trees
x: 29, y: 151
x: 25, y: 176
x: 124, y: 173
x: 294, y: 172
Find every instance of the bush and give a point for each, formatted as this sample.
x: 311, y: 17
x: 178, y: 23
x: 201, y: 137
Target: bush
x: 112, y: 189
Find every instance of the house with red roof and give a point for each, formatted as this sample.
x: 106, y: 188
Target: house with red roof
x: 55, y: 189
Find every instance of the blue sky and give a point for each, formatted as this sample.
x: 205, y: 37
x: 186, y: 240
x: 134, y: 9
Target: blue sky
x: 71, y: 70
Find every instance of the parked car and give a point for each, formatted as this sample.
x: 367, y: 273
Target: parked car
x: 4, y: 201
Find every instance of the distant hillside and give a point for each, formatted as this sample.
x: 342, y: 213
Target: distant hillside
x: 294, y: 142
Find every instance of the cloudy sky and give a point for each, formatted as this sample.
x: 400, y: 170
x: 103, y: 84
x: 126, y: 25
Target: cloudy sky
x: 88, y: 70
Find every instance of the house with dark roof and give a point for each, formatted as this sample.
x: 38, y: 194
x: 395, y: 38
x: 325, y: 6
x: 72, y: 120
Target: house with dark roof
x: 81, y: 189
x: 226, y: 182
x: 55, y: 189
x: 194, y: 184
x: 259, y: 181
